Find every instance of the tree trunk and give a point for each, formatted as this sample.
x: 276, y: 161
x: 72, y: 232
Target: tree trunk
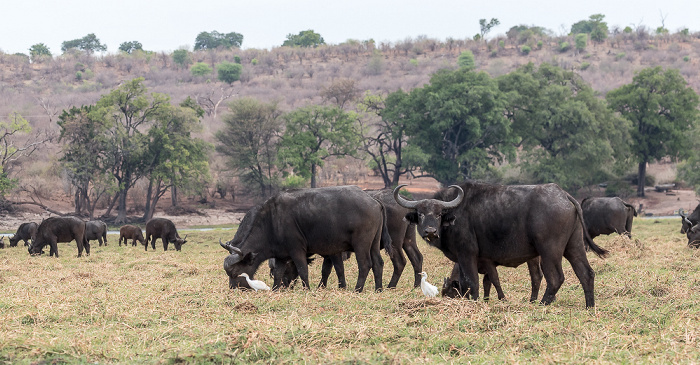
x: 641, y: 177
x: 121, y: 208
x: 173, y: 195
x: 313, y: 175
x: 149, y: 193
x: 111, y: 205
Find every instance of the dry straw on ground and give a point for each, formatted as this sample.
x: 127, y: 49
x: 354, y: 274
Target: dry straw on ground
x: 125, y: 305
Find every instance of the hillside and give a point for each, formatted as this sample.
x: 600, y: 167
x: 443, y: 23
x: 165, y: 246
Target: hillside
x: 294, y: 77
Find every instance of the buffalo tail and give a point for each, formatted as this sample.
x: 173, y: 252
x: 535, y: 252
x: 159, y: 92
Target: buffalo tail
x: 601, y: 252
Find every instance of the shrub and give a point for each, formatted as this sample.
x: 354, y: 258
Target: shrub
x: 200, y: 69
x: 254, y: 61
x: 585, y: 65
x: 539, y: 44
x: 525, y: 50
x: 237, y: 59
x: 466, y: 60
x: 229, y: 72
x: 581, y: 40
x: 564, y: 46
x: 620, y: 56
x: 686, y: 58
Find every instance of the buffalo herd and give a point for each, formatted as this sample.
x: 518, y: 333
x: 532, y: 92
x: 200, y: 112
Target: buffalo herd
x: 477, y: 226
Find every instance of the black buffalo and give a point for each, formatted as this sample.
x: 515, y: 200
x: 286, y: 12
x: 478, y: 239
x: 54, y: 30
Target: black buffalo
x: 284, y: 272
x: 403, y: 238
x: 165, y: 230
x: 693, y: 235
x: 607, y: 215
x: 60, y: 229
x: 96, y: 230
x: 495, y: 225
x: 133, y: 233
x: 295, y: 224
x: 687, y: 221
x: 25, y: 232
x: 2, y: 242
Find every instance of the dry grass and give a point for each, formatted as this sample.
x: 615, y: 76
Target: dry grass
x: 124, y: 305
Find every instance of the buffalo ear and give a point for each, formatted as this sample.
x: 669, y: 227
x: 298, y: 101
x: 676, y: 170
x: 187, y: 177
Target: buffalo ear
x: 448, y: 220
x: 412, y: 217
x: 248, y: 258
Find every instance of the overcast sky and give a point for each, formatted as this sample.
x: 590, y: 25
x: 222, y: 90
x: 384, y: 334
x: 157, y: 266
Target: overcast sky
x: 166, y: 25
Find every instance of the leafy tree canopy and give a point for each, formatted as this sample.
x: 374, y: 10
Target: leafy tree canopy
x: 181, y: 57
x: 90, y: 43
x: 456, y: 126
x: 466, y: 60
x: 130, y: 47
x: 38, y: 51
x: 663, y: 110
x: 305, y: 38
x: 213, y: 40
x: 595, y: 26
x: 229, y: 72
x: 201, y: 69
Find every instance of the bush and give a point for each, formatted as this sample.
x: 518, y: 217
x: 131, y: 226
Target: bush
x: 564, y: 46
x: 254, y: 61
x: 539, y: 44
x: 200, y: 69
x: 466, y: 60
x: 525, y: 50
x: 581, y: 40
x: 585, y: 65
x: 229, y: 72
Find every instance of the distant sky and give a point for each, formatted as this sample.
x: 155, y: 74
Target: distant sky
x: 166, y: 25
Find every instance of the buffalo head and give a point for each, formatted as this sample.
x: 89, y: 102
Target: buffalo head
x: 686, y: 223
x: 429, y: 215
x: 694, y: 236
x: 179, y: 242
x: 237, y: 263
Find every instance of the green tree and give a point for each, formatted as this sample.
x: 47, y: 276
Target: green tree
x: 456, y: 126
x: 249, y: 141
x: 305, y: 38
x: 581, y: 40
x: 177, y: 160
x: 595, y: 26
x: 466, y: 60
x: 90, y: 44
x: 566, y: 134
x: 39, y: 51
x: 383, y: 127
x: 229, y: 72
x: 181, y: 57
x: 689, y: 170
x: 16, y: 142
x: 663, y: 110
x: 87, y: 156
x: 213, y: 40
x: 485, y: 28
x: 200, y: 69
x: 131, y: 111
x: 131, y: 47
x: 315, y: 133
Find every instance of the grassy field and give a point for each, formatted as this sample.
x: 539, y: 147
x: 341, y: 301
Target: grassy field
x: 124, y: 305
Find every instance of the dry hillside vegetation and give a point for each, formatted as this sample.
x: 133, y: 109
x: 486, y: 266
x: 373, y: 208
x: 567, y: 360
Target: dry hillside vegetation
x: 39, y: 91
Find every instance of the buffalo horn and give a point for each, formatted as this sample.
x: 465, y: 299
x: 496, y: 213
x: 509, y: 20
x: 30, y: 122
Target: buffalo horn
x: 687, y: 220
x: 229, y: 248
x: 455, y: 202
x: 401, y: 201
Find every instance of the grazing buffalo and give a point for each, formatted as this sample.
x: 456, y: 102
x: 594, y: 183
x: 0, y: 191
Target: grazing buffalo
x: 165, y: 230
x: 2, y: 242
x: 296, y: 224
x: 285, y: 272
x: 96, y: 230
x: 507, y: 225
x: 25, y: 232
x: 693, y: 235
x: 403, y: 238
x: 687, y: 221
x: 129, y: 232
x: 607, y: 215
x: 451, y: 287
x: 60, y: 229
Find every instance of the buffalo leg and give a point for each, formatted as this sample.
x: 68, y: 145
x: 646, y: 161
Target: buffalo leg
x: 53, y: 250
x: 491, y: 277
x: 302, y: 265
x: 148, y: 238
x: 153, y: 242
x: 553, y: 275
x: 533, y: 266
x: 364, y: 263
x: 86, y: 244
x: 80, y: 243
x: 415, y: 257
x: 399, y: 261
x: 469, y: 276
x: 165, y: 243
x: 579, y: 263
x: 326, y: 268
x: 337, y: 261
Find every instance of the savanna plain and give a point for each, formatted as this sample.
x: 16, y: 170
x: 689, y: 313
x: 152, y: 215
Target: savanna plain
x: 127, y: 305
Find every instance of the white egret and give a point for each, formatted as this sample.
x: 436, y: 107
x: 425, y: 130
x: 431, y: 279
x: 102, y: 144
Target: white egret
x: 257, y: 284
x: 428, y: 289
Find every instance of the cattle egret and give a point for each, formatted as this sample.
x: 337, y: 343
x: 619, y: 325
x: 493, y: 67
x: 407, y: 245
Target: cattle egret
x: 257, y: 284
x: 428, y: 289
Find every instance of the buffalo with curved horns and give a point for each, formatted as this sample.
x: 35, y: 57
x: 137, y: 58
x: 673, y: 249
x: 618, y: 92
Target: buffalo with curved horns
x: 688, y: 221
x: 475, y: 223
x: 295, y: 224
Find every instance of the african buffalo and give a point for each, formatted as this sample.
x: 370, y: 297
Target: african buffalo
x: 25, y: 232
x: 96, y: 230
x: 688, y: 221
x: 607, y: 215
x: 285, y: 272
x: 165, y: 230
x: 60, y: 229
x: 129, y: 232
x: 298, y: 223
x: 507, y: 225
x: 403, y: 238
x: 2, y: 242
